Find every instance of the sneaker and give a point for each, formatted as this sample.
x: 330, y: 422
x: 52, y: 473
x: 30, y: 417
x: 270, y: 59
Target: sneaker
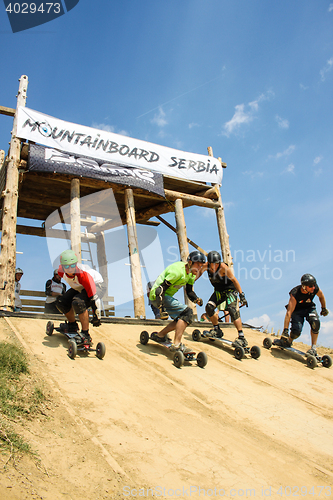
x: 286, y: 341
x: 218, y: 332
x: 312, y: 351
x: 240, y: 342
x: 154, y: 336
x: 174, y: 348
x: 86, y: 338
x: 72, y: 327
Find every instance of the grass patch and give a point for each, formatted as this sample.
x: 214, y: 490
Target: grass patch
x: 20, y: 397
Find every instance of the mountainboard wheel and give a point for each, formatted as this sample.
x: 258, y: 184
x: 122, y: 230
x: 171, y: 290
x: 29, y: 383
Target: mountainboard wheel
x: 144, y: 337
x: 72, y: 349
x: 49, y: 328
x: 202, y: 359
x: 196, y: 335
x: 178, y: 359
x: 311, y: 361
x: 239, y: 352
x: 100, y: 350
x: 326, y: 361
x: 255, y: 352
x: 267, y: 343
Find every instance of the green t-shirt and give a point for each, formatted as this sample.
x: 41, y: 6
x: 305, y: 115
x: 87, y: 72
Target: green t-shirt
x: 176, y: 275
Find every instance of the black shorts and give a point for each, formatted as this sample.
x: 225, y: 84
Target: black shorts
x: 68, y: 297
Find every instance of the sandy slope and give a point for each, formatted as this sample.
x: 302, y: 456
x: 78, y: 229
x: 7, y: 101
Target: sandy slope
x: 132, y: 421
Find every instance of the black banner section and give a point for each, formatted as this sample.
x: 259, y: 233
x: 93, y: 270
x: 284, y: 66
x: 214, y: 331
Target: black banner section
x: 43, y: 159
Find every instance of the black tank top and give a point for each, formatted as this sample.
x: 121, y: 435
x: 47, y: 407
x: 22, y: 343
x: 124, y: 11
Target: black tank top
x: 303, y: 300
x: 220, y: 283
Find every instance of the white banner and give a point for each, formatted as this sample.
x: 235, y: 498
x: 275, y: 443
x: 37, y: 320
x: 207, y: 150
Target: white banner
x: 78, y: 139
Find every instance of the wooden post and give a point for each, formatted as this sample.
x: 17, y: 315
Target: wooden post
x: 138, y: 297
x: 102, y: 260
x: 75, y: 218
x: 9, y: 210
x: 183, y: 245
x: 221, y: 225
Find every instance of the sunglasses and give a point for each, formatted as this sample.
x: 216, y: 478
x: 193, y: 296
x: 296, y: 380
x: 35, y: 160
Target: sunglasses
x: 73, y: 266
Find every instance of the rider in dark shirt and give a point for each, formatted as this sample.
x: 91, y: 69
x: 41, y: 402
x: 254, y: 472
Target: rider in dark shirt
x: 226, y: 290
x: 301, y: 307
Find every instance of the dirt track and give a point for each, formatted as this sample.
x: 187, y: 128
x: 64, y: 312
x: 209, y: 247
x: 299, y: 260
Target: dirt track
x: 132, y: 421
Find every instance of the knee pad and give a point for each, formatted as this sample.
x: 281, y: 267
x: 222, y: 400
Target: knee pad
x: 234, y: 311
x: 63, y: 308
x: 314, y: 322
x: 187, y: 315
x: 79, y: 305
x: 294, y: 334
x: 210, y: 308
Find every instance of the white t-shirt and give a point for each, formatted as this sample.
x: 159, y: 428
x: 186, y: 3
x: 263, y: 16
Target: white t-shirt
x: 18, y: 302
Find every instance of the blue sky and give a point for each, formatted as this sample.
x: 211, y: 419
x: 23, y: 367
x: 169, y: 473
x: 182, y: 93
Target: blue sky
x: 252, y: 79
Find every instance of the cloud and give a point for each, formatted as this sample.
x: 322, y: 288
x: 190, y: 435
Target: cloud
x: 263, y: 320
x: 281, y: 122
x: 326, y: 328
x: 252, y: 174
x: 245, y: 114
x: 108, y: 128
x: 159, y: 118
x: 303, y: 87
x: 330, y: 7
x: 286, y: 152
x: 290, y: 169
x: 191, y: 125
x: 323, y: 72
x: 317, y: 160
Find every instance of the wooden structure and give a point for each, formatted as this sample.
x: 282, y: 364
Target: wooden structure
x: 33, y: 301
x: 36, y: 195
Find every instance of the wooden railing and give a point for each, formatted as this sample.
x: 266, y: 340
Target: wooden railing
x: 33, y: 301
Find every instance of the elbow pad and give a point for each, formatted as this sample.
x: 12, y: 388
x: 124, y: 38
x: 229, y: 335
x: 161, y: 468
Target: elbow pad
x: 191, y: 293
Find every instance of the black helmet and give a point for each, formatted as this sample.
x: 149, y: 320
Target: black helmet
x: 196, y: 256
x: 214, y: 257
x: 308, y: 280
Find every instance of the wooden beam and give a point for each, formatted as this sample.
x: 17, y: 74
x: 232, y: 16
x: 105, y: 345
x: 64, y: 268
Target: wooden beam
x: 175, y: 231
x: 75, y: 218
x: 183, y: 246
x: 51, y: 233
x: 102, y: 259
x: 222, y: 227
x: 7, y: 111
x: 191, y: 199
x: 138, y: 296
x: 9, y: 211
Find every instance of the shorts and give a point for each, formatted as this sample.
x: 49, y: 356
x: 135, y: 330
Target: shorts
x: 226, y: 301
x: 68, y: 297
x: 172, y: 306
x: 298, y: 317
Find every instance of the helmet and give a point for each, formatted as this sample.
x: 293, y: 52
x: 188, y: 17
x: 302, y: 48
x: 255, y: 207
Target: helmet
x: 196, y: 256
x: 214, y: 257
x: 308, y: 280
x: 68, y: 257
x: 18, y: 271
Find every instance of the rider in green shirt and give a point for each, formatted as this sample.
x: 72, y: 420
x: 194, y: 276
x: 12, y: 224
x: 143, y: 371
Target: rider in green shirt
x: 162, y: 294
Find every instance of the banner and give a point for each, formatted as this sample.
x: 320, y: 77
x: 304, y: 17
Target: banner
x: 43, y: 159
x: 94, y: 143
